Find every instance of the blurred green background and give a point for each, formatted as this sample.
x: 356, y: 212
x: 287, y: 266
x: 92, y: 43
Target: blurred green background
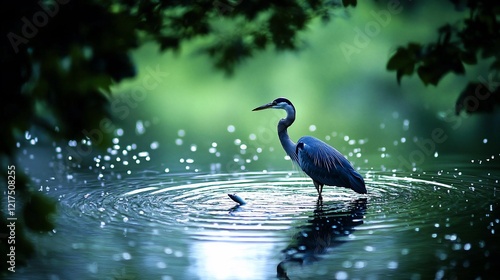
x: 338, y: 92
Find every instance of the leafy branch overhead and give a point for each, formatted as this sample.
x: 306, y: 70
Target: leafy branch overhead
x: 235, y: 30
x: 478, y: 36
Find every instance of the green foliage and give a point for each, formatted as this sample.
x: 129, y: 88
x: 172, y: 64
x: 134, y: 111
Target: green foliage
x: 477, y: 36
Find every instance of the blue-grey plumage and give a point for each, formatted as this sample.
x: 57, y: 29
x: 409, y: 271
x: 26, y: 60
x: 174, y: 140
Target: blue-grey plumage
x: 323, y: 163
x: 327, y: 166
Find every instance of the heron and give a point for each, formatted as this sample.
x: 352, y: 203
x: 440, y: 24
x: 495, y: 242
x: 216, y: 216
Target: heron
x: 320, y: 161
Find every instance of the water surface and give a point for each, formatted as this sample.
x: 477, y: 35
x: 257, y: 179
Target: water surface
x: 155, y: 225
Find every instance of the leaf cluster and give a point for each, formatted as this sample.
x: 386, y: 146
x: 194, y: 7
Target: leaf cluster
x: 476, y: 37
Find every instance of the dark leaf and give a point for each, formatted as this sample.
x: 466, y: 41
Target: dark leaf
x: 348, y: 3
x: 430, y: 74
x: 468, y: 57
x: 404, y: 58
x: 476, y: 98
x: 495, y: 65
x: 260, y: 40
x: 169, y: 42
x: 399, y: 75
x: 457, y: 67
x: 39, y: 212
x: 445, y: 34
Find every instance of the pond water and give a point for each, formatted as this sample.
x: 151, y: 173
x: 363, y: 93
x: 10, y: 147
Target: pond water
x: 441, y: 223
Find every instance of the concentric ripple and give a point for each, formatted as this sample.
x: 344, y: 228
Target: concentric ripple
x: 276, y: 200
x: 200, y: 202
x: 403, y: 217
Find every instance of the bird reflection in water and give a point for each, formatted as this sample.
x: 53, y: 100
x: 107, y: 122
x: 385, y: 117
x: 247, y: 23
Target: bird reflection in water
x: 328, y: 223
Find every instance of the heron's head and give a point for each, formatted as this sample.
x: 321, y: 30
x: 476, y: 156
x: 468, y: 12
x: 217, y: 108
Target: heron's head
x: 278, y: 103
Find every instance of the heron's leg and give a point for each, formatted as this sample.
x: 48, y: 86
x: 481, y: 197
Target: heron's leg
x: 319, y: 187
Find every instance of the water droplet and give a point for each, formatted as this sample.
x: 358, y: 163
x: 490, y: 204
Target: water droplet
x: 126, y: 256
x: 485, y: 140
x: 341, y: 275
x: 161, y: 265
x: 392, y: 265
x: 312, y: 127
x: 406, y: 124
x: 178, y: 254
x: 139, y: 127
x: 347, y: 264
x: 154, y: 145
x: 181, y: 133
x: 231, y: 128
x: 193, y: 148
x: 168, y: 251
x: 359, y: 264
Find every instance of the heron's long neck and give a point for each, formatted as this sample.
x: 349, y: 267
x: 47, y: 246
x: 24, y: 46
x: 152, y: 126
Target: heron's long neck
x: 288, y: 145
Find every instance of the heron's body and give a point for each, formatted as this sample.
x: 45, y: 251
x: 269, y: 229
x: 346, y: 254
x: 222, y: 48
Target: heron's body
x: 323, y: 163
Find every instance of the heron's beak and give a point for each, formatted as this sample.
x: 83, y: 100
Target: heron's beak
x: 266, y: 106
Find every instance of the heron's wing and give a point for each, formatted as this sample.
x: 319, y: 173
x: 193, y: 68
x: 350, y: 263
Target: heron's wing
x: 328, y: 166
x: 320, y: 155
